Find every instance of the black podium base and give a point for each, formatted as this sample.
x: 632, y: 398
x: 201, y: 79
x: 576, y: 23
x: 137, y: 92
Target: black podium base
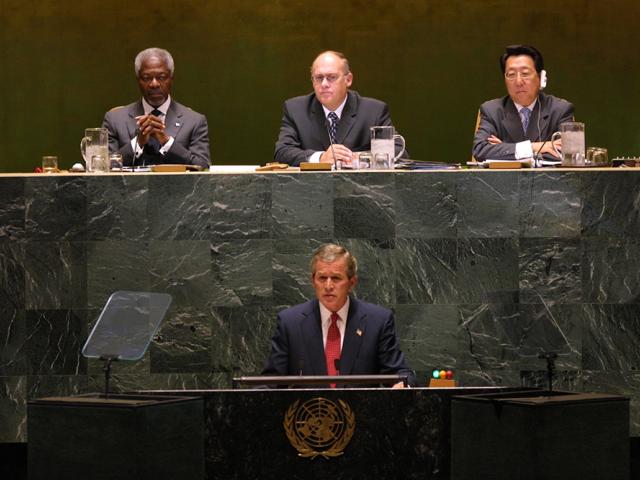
x: 547, y: 435
x: 123, y: 437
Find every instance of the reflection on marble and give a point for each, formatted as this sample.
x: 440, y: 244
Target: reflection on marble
x: 483, y: 269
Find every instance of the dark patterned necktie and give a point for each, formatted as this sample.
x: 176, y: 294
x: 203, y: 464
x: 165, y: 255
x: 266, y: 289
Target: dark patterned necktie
x: 153, y: 146
x: 525, y: 113
x: 333, y: 126
x: 332, y: 347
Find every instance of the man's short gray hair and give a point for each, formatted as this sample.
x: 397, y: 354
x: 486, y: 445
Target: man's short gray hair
x: 160, y: 53
x: 330, y: 252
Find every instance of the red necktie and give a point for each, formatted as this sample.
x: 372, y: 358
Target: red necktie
x: 332, y: 347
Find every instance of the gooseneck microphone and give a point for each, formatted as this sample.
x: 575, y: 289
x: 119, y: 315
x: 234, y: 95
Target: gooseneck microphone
x: 300, y: 367
x: 336, y: 363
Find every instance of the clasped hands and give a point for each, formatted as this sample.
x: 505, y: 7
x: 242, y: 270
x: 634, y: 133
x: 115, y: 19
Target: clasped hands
x: 151, y: 126
x: 338, y: 153
x: 537, y: 147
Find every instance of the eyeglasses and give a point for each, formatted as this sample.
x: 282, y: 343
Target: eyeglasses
x: 331, y: 78
x: 149, y: 78
x: 524, y: 75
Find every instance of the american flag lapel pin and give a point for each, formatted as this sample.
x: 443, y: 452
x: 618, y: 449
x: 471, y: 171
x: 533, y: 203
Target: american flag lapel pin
x: 359, y: 332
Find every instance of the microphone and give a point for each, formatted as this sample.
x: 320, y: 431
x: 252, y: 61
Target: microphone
x: 336, y: 363
x: 333, y: 153
x: 300, y: 367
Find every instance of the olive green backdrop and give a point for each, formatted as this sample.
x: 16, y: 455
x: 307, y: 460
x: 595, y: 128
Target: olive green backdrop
x: 65, y: 63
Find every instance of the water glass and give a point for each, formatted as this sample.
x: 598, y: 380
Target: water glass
x: 100, y: 164
x: 50, y: 164
x: 364, y: 160
x: 381, y: 161
x: 115, y: 161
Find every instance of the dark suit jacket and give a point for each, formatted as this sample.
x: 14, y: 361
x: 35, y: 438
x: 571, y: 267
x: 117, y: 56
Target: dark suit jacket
x: 500, y: 117
x: 304, y: 131
x: 188, y: 128
x: 297, y: 345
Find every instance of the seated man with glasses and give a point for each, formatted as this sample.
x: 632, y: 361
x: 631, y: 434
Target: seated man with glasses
x: 332, y: 123
x: 520, y: 125
x: 156, y: 129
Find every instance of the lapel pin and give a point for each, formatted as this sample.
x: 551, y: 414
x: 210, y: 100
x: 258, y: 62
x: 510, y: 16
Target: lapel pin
x: 177, y: 124
x: 359, y: 332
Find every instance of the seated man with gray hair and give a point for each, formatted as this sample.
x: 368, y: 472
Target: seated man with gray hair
x: 156, y: 129
x: 335, y: 333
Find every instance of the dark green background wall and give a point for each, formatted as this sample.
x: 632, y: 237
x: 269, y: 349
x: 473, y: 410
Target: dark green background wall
x: 65, y: 63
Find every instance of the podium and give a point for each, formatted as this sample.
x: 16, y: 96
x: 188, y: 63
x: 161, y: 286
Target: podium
x: 540, y: 435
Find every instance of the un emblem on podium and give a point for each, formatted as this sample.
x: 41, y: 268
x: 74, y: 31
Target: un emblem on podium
x: 319, y: 427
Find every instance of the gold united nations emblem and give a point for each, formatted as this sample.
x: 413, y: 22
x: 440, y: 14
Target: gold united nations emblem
x: 319, y: 427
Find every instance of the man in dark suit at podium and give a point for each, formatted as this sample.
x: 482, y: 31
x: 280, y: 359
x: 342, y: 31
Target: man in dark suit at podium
x: 157, y: 129
x: 335, y: 334
x: 333, y: 122
x: 520, y: 125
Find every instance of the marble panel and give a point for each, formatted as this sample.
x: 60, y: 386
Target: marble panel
x: 179, y: 207
x: 426, y: 205
x: 13, y: 360
x: 56, y: 275
x: 550, y: 270
x: 363, y: 206
x: 611, y: 337
x: 488, y: 270
x: 241, y: 206
x: 550, y: 204
x: 611, y: 270
x: 241, y: 340
x: 116, y: 265
x: 488, y: 204
x: 117, y: 207
x: 426, y: 271
x: 183, y: 269
x: 12, y: 209
x: 54, y: 339
x: 611, y: 204
x: 429, y: 336
x: 56, y: 208
x: 491, y: 333
x: 243, y: 269
x: 183, y: 342
x: 12, y: 274
x: 13, y: 409
x: 376, y: 270
x: 302, y: 206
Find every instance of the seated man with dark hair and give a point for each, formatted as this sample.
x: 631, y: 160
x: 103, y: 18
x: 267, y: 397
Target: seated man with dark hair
x: 520, y: 125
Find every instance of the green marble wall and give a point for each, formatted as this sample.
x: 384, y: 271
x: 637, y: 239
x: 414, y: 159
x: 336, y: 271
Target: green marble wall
x: 482, y: 268
x: 64, y: 64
